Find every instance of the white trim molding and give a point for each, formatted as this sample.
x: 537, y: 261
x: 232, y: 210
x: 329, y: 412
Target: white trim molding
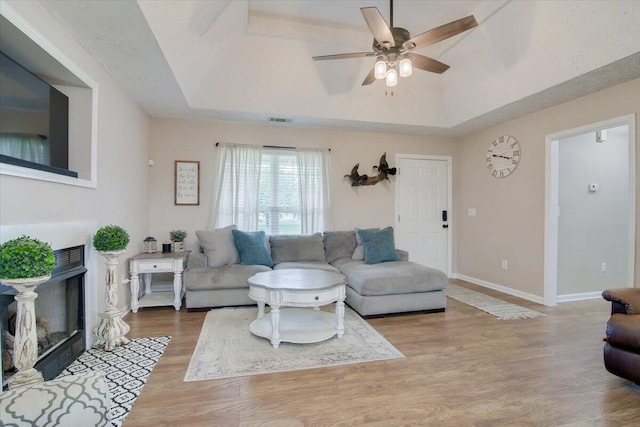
x: 552, y: 179
x: 579, y: 297
x: 505, y: 290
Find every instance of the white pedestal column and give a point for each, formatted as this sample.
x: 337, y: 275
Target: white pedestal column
x: 25, y: 348
x: 111, y: 329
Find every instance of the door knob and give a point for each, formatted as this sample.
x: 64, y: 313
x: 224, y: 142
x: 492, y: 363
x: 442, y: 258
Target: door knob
x: 445, y: 225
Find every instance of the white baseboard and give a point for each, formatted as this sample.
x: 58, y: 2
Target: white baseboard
x: 579, y: 297
x: 500, y: 288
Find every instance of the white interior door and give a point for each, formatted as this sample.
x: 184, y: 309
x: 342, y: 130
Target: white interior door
x: 423, y: 212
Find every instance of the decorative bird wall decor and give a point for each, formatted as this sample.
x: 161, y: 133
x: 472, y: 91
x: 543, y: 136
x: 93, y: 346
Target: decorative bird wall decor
x: 355, y: 178
x: 384, y: 169
x: 383, y: 173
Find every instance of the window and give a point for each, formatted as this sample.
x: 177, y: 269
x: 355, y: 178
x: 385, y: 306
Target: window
x: 279, y: 193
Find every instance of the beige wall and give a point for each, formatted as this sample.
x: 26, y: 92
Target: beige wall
x: 510, y: 212
x: 351, y: 206
x: 121, y: 195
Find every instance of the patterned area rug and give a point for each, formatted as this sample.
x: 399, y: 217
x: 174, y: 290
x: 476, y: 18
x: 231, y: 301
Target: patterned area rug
x: 126, y: 370
x: 501, y: 309
x: 227, y: 349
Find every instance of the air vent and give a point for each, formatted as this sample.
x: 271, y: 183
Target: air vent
x: 279, y: 120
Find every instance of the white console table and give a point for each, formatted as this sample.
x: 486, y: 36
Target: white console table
x: 149, y: 263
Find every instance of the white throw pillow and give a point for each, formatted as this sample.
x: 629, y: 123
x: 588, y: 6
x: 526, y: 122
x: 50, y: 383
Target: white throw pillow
x: 219, y: 246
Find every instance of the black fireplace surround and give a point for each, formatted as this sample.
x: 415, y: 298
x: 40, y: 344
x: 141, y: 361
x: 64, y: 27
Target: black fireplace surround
x: 59, y: 315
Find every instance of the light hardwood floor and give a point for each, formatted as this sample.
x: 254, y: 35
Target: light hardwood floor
x: 462, y: 367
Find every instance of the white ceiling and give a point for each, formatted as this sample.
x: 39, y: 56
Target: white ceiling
x: 250, y: 60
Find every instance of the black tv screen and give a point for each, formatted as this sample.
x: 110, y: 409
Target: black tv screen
x: 34, y: 121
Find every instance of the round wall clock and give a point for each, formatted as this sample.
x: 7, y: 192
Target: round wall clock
x: 503, y: 156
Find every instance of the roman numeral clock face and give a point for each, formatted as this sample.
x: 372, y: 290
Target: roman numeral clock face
x: 503, y: 156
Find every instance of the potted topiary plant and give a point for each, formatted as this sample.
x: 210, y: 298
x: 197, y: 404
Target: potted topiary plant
x: 26, y: 258
x: 25, y: 262
x: 111, y: 241
x: 111, y: 238
x: 177, y: 237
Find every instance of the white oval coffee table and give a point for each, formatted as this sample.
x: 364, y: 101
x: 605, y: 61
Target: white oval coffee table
x: 297, y: 288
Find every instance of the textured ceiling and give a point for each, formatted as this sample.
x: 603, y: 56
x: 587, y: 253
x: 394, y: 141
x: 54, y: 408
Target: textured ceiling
x: 251, y: 60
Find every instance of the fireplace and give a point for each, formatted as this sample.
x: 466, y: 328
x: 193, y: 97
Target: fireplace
x: 60, y: 316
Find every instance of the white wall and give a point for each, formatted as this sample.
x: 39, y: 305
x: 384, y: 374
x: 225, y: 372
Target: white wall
x: 510, y: 211
x: 593, y: 227
x: 350, y: 206
x: 121, y: 195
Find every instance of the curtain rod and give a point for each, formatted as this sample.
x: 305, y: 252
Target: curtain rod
x: 279, y: 147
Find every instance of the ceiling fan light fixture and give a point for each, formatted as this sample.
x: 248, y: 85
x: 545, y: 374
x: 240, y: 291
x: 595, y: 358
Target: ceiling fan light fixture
x: 380, y: 69
x: 406, y: 69
x: 392, y: 77
x: 392, y: 47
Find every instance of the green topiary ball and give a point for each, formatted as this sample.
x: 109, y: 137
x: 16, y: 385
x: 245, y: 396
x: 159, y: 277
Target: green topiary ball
x: 110, y: 238
x: 26, y: 257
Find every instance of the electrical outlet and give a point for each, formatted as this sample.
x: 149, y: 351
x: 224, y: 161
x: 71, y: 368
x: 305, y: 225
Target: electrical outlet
x: 504, y: 264
x: 604, y: 267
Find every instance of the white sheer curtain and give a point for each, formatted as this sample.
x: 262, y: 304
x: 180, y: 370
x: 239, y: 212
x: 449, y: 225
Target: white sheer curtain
x: 313, y: 170
x: 25, y: 146
x: 238, y: 176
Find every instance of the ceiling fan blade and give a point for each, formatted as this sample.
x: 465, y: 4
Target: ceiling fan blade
x: 440, y: 33
x: 427, y: 64
x: 344, y: 56
x: 371, y: 77
x: 378, y: 26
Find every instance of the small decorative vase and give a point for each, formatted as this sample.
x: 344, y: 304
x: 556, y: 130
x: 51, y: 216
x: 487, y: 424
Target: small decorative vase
x: 25, y: 347
x: 178, y: 246
x: 111, y: 329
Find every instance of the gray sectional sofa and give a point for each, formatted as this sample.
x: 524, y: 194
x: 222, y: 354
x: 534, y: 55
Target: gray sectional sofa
x: 215, y: 280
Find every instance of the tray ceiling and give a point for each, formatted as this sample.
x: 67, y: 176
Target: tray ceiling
x: 250, y: 60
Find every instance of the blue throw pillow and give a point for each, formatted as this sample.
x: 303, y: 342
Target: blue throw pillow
x: 378, y: 245
x: 252, y: 247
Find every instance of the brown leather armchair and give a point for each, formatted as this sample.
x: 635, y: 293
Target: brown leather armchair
x: 622, y: 347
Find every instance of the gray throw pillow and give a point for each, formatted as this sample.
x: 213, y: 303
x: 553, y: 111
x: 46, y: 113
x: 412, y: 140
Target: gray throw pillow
x: 339, y: 244
x: 219, y: 246
x: 292, y: 248
x: 358, y: 253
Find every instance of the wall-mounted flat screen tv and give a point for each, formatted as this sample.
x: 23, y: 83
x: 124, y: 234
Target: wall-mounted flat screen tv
x: 34, y: 121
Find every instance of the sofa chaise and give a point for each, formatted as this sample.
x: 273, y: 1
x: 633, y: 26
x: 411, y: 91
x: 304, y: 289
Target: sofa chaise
x: 218, y: 278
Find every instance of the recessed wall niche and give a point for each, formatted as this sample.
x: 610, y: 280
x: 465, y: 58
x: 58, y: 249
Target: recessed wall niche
x: 26, y: 46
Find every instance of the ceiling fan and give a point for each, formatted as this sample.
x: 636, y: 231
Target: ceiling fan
x: 393, y: 47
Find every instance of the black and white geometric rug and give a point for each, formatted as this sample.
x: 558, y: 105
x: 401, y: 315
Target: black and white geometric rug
x: 126, y: 369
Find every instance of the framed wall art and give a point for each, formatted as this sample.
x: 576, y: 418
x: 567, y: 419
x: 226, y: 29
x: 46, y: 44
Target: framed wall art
x: 187, y: 182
